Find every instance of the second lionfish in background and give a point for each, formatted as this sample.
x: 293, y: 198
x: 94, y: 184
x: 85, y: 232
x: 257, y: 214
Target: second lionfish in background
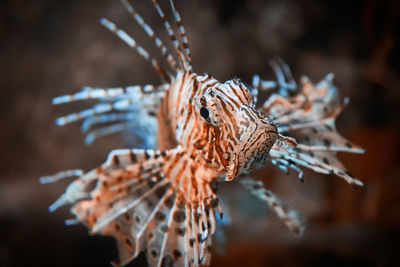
x: 163, y: 200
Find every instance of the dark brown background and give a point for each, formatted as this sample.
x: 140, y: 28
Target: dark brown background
x: 50, y: 48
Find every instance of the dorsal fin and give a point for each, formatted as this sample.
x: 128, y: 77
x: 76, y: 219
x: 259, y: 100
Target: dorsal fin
x: 132, y: 43
x: 174, y: 37
x: 150, y: 32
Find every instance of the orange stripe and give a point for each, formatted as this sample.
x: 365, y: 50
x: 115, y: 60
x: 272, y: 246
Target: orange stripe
x: 237, y: 95
x: 231, y: 118
x: 178, y: 98
x: 230, y: 98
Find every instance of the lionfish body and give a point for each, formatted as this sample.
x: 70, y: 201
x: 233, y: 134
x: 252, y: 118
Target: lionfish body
x: 163, y: 201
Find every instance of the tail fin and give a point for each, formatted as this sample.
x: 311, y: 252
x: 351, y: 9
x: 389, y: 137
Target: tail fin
x: 310, y: 117
x: 149, y: 201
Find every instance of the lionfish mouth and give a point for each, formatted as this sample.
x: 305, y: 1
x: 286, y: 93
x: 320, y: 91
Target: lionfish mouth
x: 257, y: 136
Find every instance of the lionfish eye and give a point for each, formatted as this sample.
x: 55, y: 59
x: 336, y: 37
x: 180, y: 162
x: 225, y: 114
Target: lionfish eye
x: 204, y: 113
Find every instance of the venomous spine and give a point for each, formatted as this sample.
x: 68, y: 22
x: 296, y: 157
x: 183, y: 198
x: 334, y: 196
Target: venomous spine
x: 163, y: 200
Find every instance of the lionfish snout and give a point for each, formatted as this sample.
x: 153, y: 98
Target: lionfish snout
x: 257, y: 135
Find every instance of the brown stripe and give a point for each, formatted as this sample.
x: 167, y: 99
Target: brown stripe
x: 172, y: 37
x: 230, y: 98
x: 132, y: 156
x: 116, y: 160
x: 180, y: 173
x: 237, y: 95
x: 218, y: 147
x: 194, y: 185
x: 249, y: 115
x: 161, y: 71
x: 230, y: 117
x: 178, y: 98
x: 146, y: 155
x: 246, y: 94
x: 194, y: 90
x: 248, y: 144
x: 173, y: 162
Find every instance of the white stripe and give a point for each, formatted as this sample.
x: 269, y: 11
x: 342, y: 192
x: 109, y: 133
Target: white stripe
x: 61, y: 99
x: 143, y: 52
x: 126, y: 38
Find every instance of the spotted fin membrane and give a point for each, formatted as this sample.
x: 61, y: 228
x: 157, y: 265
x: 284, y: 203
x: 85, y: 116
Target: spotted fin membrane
x: 198, y: 132
x: 137, y: 197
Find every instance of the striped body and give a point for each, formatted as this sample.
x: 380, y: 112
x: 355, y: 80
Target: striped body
x: 162, y: 200
x: 233, y: 137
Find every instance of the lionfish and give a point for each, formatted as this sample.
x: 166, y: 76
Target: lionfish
x: 163, y: 201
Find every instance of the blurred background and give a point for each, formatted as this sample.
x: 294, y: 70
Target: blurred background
x: 49, y: 48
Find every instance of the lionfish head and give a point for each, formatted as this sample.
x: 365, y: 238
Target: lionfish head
x: 242, y: 135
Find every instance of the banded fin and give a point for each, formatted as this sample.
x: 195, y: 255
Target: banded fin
x: 324, y: 162
x: 114, y: 103
x: 149, y: 200
x: 179, y: 40
x: 143, y: 132
x: 132, y: 109
x: 324, y: 137
x: 110, y: 94
x: 133, y: 99
x: 291, y: 218
x: 126, y: 38
x: 313, y: 104
x: 150, y: 32
x: 284, y: 80
x: 182, y: 35
x: 309, y: 117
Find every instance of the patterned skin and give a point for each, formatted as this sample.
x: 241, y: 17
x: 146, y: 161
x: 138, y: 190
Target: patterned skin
x: 163, y: 201
x: 217, y: 124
